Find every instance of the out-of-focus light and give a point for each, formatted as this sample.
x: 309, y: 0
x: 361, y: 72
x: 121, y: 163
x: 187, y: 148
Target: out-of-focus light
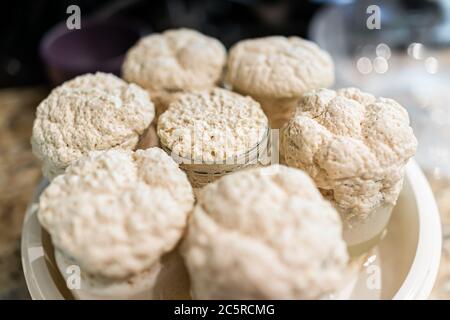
x: 416, y: 50
x: 13, y: 67
x: 380, y: 65
x: 431, y: 65
x: 367, y: 50
x: 364, y: 65
x: 383, y: 50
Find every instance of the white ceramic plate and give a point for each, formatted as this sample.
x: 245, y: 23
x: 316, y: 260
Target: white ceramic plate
x: 403, y: 266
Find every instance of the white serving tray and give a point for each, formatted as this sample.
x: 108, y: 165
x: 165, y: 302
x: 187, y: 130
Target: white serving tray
x: 403, y: 266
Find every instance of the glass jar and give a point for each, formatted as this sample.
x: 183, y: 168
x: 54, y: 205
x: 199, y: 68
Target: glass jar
x: 363, y: 233
x: 202, y: 173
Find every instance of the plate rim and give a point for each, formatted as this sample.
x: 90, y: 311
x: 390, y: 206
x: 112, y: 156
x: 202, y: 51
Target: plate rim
x: 429, y: 243
x: 425, y: 264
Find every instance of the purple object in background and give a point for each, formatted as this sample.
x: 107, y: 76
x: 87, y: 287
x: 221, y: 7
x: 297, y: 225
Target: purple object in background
x: 100, y: 45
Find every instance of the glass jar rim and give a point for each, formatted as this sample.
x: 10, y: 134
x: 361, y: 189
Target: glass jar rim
x: 232, y: 160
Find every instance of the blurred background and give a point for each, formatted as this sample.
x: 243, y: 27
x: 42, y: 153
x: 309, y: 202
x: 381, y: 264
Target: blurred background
x: 26, y: 22
x: 407, y: 59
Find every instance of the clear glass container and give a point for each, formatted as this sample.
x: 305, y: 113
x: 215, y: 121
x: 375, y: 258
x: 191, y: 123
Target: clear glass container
x: 202, y: 173
x: 363, y: 234
x: 168, y: 279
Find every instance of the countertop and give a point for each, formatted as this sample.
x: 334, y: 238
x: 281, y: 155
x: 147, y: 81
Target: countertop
x: 20, y: 172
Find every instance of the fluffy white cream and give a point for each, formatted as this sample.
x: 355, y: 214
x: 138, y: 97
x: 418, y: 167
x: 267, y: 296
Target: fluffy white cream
x: 117, y: 212
x: 278, y: 67
x: 212, y: 125
x: 174, y: 61
x: 90, y: 112
x: 264, y: 233
x: 355, y: 147
x: 277, y: 71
